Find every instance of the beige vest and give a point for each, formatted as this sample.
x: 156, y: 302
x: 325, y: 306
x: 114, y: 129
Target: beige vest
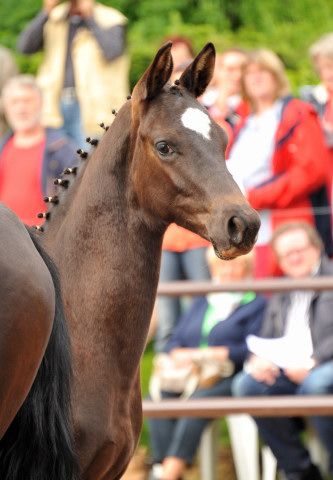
x: 100, y: 85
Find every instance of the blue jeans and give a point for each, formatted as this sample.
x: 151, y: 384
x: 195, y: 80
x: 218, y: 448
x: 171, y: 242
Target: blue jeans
x: 282, y: 434
x: 190, y: 265
x: 72, y: 126
x: 180, y: 437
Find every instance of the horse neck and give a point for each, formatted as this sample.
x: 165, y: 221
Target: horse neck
x: 99, y: 236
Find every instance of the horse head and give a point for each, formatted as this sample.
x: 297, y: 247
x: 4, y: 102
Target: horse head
x: 183, y: 175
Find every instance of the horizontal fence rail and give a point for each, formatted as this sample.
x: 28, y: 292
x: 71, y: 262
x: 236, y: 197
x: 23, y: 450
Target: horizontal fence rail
x: 186, y: 287
x: 215, y: 407
x: 274, y: 406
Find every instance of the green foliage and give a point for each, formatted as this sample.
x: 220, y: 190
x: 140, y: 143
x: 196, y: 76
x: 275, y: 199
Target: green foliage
x: 146, y: 368
x: 287, y: 27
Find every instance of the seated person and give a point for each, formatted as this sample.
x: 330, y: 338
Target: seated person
x: 303, y: 321
x: 215, y: 327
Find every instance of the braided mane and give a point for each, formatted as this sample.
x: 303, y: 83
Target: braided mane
x: 75, y: 173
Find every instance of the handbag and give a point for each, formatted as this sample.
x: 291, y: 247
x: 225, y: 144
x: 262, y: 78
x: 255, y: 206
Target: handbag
x: 204, y: 372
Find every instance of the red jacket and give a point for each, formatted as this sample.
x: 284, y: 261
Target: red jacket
x: 301, y: 179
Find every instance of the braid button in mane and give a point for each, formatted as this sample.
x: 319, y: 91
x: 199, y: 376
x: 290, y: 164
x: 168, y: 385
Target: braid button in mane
x: 61, y: 182
x: 105, y: 127
x: 70, y: 170
x: 45, y: 215
x: 83, y: 154
x: 92, y: 141
x: 54, y: 199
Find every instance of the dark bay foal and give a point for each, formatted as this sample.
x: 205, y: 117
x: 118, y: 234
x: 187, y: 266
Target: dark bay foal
x: 161, y: 161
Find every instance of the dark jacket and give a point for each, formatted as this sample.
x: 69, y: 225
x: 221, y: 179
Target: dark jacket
x: 321, y: 317
x: 231, y: 332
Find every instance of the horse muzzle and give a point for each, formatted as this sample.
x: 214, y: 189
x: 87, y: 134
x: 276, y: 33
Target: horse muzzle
x: 239, y: 232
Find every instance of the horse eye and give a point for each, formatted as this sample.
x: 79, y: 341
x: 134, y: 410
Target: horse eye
x: 164, y: 149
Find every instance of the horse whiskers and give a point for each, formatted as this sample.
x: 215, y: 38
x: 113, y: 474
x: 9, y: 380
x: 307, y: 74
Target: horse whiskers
x: 63, y: 183
x: 70, y: 170
x: 92, y: 141
x: 45, y: 215
x: 54, y: 199
x: 82, y: 153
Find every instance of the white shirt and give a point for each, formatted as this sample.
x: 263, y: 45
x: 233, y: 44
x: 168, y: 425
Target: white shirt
x: 297, y: 324
x: 250, y: 159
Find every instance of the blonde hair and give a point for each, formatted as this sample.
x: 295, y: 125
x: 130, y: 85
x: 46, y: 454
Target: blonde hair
x: 322, y: 47
x: 267, y: 60
x: 247, y: 259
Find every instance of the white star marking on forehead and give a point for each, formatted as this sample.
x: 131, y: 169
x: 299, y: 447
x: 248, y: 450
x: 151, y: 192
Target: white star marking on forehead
x: 195, y: 119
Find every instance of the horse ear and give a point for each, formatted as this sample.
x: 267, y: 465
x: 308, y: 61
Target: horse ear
x: 199, y: 73
x: 156, y: 76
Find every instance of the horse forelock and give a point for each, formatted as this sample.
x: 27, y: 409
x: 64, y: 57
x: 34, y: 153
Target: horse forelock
x: 175, y: 90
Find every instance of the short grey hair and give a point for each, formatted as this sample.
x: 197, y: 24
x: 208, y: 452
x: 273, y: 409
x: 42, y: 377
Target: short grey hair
x: 322, y: 47
x: 24, y: 80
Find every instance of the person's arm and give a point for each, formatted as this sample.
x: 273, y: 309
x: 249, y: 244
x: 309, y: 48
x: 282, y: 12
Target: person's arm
x: 111, y: 40
x: 31, y: 38
x: 238, y: 351
x: 262, y: 370
x: 307, y: 164
x: 188, y: 329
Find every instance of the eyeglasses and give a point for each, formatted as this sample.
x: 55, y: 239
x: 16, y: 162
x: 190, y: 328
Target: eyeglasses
x: 293, y: 252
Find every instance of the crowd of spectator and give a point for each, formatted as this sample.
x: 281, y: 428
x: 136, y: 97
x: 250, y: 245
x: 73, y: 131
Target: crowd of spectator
x: 280, y: 152
x: 213, y: 330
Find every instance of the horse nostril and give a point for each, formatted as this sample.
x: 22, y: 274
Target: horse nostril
x: 236, y: 229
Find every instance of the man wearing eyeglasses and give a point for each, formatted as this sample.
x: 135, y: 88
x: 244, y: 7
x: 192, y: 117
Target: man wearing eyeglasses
x: 294, y: 354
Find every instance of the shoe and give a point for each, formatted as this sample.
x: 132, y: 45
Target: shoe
x: 312, y: 473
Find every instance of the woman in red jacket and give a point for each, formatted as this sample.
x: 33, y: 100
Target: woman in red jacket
x: 280, y: 157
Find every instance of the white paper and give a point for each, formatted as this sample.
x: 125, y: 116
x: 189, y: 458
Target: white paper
x: 282, y: 351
